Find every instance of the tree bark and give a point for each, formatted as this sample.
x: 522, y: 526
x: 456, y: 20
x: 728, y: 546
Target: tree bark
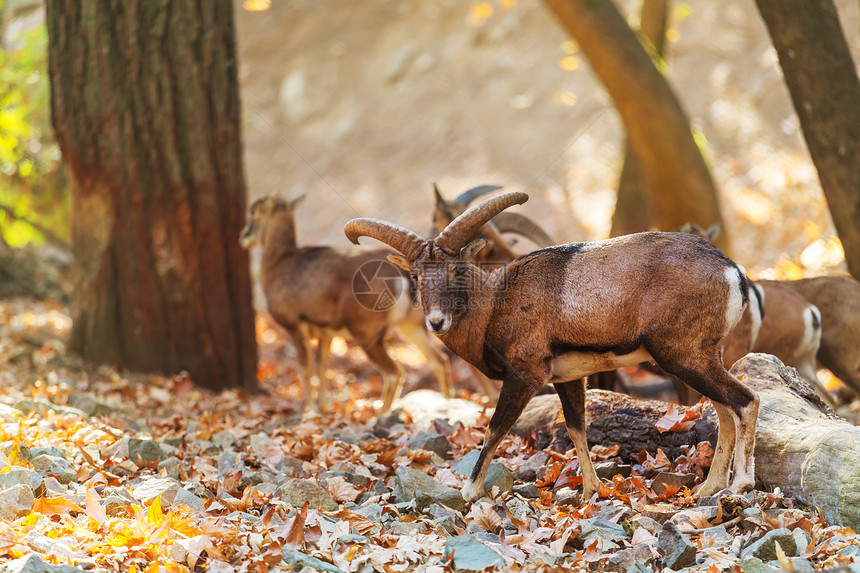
x: 678, y: 182
x: 801, y: 445
x: 825, y: 91
x: 145, y: 106
x: 633, y: 213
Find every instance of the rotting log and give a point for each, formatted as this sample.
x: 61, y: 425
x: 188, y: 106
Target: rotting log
x: 802, y: 447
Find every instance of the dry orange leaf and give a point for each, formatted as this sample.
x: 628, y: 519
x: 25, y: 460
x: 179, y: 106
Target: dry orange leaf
x: 55, y: 506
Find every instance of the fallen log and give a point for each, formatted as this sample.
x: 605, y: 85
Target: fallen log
x: 802, y: 447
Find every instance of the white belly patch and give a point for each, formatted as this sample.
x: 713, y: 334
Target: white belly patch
x: 574, y: 365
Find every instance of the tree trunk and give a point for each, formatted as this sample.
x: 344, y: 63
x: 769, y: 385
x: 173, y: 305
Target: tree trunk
x: 145, y: 106
x: 825, y: 90
x: 802, y: 447
x: 633, y: 213
x: 679, y: 184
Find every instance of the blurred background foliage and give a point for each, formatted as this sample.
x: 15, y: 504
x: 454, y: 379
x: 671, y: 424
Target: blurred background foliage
x: 34, y: 189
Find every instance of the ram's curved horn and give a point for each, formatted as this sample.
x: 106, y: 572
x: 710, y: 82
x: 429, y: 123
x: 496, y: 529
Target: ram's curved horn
x: 465, y: 227
x: 399, y: 238
x: 522, y: 225
x: 467, y: 197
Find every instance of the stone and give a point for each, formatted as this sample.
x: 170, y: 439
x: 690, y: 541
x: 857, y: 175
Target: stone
x: 171, y: 466
x: 802, y: 540
x: 469, y: 554
x: 93, y: 407
x: 407, y: 527
x: 298, y: 561
x: 52, y: 465
x: 431, y: 442
x: 659, y: 512
x: 609, y: 535
x: 412, y: 484
x: 296, y: 491
x: 528, y: 490
x: 47, y: 451
x: 38, y: 541
x: 426, y: 406
x: 290, y: 466
x: 466, y: 464
x: 33, y: 563
x: 224, y: 439
x: 148, y: 489
x: 28, y: 405
x: 518, y: 509
x: 756, y: 565
x: 188, y: 499
x: 568, y: 496
x: 20, y: 475
x: 608, y: 470
x: 528, y: 469
x: 500, y: 476
x: 144, y: 451
x: 802, y: 565
x: 625, y: 559
x: 444, y: 517
x: 765, y: 547
x: 16, y: 502
x: 675, y: 547
x: 719, y: 537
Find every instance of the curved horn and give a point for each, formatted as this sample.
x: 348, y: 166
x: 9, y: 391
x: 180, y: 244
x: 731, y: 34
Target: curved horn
x: 467, y: 197
x: 522, y: 225
x: 401, y: 239
x: 464, y: 228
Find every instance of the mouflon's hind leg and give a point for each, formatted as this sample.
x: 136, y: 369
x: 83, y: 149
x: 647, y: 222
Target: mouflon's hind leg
x: 515, y: 394
x: 738, y: 403
x: 572, y: 396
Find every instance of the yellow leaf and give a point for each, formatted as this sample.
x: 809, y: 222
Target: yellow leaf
x: 55, y: 506
x: 154, y: 515
x: 257, y: 5
x: 94, y: 508
x: 479, y: 13
x: 570, y: 47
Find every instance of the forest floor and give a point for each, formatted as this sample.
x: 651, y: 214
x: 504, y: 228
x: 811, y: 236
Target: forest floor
x: 105, y: 471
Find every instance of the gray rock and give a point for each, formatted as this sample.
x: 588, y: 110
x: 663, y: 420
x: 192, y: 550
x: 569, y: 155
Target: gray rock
x: 144, y: 451
x: 765, y: 547
x: 186, y: 498
x: 802, y: 540
x: 499, y: 475
x: 528, y: 490
x: 372, y: 511
x: 568, y: 496
x: 171, y: 466
x: 610, y: 534
x: 750, y: 512
x: 224, y: 439
x: 298, y: 560
x: 407, y: 527
x: 414, y: 485
x: 149, y: 488
x: 226, y: 463
x: 93, y: 407
x: 444, y: 517
x: 756, y: 565
x: 19, y: 475
x: 115, y: 505
x: 291, y: 467
x: 32, y: 563
x: 470, y: 554
x: 802, y: 565
x: 28, y: 405
x: 675, y: 547
x: 47, y: 451
x: 431, y: 442
x: 52, y: 465
x: 296, y: 491
x: 518, y: 508
x: 720, y: 537
x: 626, y: 559
x: 652, y: 526
x: 528, y: 469
x: 39, y: 541
x: 608, y: 470
x: 15, y: 502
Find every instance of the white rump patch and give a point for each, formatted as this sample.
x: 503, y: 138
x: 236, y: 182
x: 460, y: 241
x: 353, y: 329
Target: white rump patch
x: 575, y: 365
x: 735, y: 306
x: 755, y: 311
x: 811, y: 334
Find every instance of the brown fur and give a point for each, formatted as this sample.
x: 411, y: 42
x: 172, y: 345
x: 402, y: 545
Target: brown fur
x: 561, y: 313
x: 838, y: 299
x: 309, y: 292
